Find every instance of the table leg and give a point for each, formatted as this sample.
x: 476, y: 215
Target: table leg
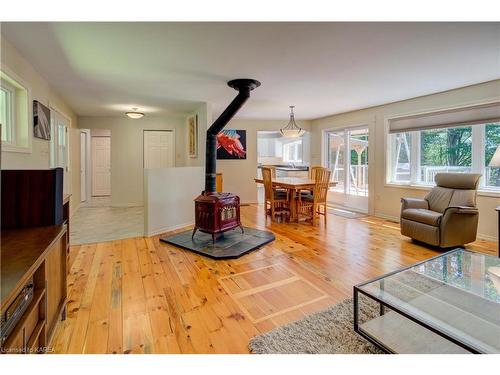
x: 291, y: 197
x: 295, y: 206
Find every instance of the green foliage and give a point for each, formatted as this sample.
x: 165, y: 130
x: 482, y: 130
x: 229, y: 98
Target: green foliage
x: 451, y: 147
x: 492, y: 140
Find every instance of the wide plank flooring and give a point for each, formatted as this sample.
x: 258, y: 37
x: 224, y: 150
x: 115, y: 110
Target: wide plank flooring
x: 141, y: 296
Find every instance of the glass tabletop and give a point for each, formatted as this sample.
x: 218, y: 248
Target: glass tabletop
x: 457, y: 294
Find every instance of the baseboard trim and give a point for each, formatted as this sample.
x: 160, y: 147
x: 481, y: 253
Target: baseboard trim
x: 126, y: 205
x: 169, y: 229
x: 486, y: 237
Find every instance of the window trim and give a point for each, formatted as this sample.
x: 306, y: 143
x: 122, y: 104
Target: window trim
x: 477, y: 162
x: 15, y: 147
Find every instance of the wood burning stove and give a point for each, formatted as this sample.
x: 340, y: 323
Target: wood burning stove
x: 216, y: 213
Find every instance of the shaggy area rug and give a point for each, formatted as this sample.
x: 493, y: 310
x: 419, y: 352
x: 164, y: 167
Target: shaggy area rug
x: 326, y: 332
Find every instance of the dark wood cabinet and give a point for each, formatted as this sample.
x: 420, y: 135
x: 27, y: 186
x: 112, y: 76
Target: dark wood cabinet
x: 34, y: 257
x: 55, y: 268
x: 37, y: 254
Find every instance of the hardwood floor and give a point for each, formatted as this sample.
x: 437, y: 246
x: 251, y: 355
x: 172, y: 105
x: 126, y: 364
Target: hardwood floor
x: 142, y: 296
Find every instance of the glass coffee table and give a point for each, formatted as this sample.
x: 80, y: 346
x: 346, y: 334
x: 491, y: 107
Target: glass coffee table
x: 446, y: 304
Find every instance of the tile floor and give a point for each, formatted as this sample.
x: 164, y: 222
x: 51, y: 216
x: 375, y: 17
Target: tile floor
x: 97, y: 221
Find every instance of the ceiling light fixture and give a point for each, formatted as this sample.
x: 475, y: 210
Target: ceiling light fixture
x: 292, y: 130
x: 134, y: 114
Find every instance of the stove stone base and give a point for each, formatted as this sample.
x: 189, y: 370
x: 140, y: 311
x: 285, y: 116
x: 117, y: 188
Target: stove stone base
x: 230, y: 245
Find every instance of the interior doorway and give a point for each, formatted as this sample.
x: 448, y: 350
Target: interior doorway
x: 101, y: 166
x: 347, y: 157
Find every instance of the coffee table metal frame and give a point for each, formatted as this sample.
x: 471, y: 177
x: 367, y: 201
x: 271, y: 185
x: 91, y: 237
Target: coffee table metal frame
x: 384, y: 304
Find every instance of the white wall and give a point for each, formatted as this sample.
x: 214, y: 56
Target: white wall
x: 384, y: 199
x: 39, y: 158
x: 239, y: 175
x: 168, y: 204
x: 127, y: 151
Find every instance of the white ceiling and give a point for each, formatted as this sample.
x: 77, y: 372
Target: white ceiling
x: 321, y: 68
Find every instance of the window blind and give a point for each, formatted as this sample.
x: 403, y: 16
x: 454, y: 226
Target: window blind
x: 478, y: 114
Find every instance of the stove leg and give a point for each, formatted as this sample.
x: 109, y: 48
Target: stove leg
x: 213, y: 238
x: 242, y: 231
x: 194, y: 232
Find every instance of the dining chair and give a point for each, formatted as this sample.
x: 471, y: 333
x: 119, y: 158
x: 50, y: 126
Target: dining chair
x: 276, y: 200
x: 312, y: 171
x: 311, y: 205
x: 312, y: 176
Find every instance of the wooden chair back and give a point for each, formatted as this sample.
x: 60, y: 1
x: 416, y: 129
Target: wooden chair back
x: 272, y: 168
x: 322, y: 177
x: 312, y: 171
x: 267, y: 177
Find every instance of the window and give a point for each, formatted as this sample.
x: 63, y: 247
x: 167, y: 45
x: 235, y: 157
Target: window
x: 14, y: 115
x: 416, y: 157
x: 444, y: 150
x: 274, y: 149
x: 491, y: 142
x: 7, y: 95
x: 292, y: 152
x: 401, y: 146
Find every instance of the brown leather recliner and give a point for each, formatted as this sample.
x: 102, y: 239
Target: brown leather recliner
x: 447, y: 216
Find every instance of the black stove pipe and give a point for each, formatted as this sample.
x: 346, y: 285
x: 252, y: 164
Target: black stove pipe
x: 244, y: 86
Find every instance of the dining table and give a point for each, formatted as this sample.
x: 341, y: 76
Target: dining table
x: 294, y: 185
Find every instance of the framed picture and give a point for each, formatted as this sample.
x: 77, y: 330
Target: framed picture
x: 232, y: 144
x: 193, y: 136
x: 41, y: 120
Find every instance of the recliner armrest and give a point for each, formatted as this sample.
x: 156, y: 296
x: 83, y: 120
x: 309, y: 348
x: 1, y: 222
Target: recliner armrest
x: 461, y: 210
x: 414, y: 203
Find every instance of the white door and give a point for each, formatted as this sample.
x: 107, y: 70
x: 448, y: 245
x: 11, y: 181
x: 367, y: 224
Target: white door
x: 158, y: 149
x: 347, y: 157
x: 101, y: 166
x: 83, y: 167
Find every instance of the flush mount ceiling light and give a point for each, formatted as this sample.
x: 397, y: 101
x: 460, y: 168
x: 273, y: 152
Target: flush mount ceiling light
x: 292, y: 130
x: 134, y: 114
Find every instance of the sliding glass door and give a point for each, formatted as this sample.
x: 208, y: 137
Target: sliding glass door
x: 347, y: 157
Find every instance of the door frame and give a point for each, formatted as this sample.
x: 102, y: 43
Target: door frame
x: 173, y: 143
x: 88, y: 165
x: 52, y: 150
x: 371, y: 157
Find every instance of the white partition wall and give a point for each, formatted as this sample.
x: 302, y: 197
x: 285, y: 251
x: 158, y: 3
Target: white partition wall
x: 169, y: 195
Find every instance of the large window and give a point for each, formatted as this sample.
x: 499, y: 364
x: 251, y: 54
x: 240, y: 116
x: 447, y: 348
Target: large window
x: 445, y: 150
x: 416, y: 157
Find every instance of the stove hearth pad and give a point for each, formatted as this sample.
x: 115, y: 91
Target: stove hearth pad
x: 228, y: 245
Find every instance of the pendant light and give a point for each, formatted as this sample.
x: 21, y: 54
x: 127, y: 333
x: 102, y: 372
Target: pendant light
x: 292, y: 130
x: 134, y: 114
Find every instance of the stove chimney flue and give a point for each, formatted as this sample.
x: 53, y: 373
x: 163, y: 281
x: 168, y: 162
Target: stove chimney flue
x: 243, y: 86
